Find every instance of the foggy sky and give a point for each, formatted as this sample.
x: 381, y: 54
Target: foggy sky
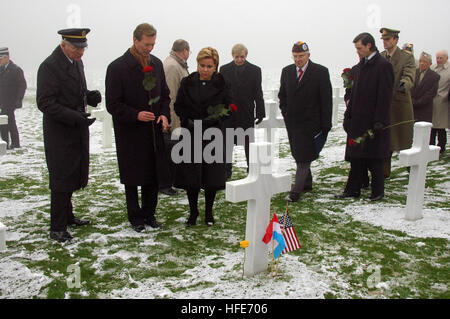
x: 268, y: 28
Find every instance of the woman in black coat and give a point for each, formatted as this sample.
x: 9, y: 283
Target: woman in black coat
x: 197, y: 92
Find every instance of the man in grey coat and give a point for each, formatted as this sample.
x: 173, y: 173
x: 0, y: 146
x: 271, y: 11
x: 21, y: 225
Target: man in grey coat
x: 441, y: 104
x: 175, y: 68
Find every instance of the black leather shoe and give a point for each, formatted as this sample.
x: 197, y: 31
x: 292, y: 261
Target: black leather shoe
x: 80, y: 222
x: 192, y: 220
x: 347, y: 195
x: 209, y: 221
x: 61, y: 236
x: 168, y: 191
x: 376, y: 198
x: 292, y: 197
x: 151, y: 221
x: 138, y: 228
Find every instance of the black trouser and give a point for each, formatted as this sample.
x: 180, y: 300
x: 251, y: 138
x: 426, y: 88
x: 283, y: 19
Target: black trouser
x: 10, y: 129
x: 166, y: 180
x: 229, y: 166
x: 210, y: 196
x: 61, y: 210
x: 442, y: 138
x: 149, y: 198
x: 303, y: 177
x: 358, y: 169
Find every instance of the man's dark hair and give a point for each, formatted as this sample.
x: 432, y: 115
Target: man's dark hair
x: 365, y: 39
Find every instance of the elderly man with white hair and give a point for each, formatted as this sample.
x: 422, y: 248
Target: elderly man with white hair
x: 425, y: 89
x: 441, y: 103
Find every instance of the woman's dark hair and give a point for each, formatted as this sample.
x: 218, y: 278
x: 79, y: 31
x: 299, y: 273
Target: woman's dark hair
x: 365, y: 39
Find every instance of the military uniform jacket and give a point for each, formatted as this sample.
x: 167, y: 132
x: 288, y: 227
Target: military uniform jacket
x: 61, y: 96
x: 402, y: 109
x: 12, y: 87
x: 306, y: 108
x: 247, y: 94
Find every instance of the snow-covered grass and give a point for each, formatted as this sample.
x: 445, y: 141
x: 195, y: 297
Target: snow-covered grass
x: 350, y: 248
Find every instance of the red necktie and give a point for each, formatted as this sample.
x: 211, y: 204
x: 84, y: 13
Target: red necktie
x: 300, y: 74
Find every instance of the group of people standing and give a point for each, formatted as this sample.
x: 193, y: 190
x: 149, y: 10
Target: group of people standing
x: 150, y: 99
x: 388, y: 94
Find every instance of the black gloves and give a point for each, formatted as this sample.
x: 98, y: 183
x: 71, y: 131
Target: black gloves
x: 93, y: 98
x: 258, y: 120
x: 83, y: 119
x: 401, y: 88
x: 378, y: 126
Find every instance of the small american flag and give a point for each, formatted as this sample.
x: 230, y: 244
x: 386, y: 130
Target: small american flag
x: 290, y: 237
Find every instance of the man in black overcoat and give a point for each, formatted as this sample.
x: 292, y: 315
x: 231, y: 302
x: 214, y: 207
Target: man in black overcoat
x: 245, y: 80
x: 62, y: 96
x: 306, y: 105
x: 12, y: 91
x: 138, y: 127
x: 368, y: 109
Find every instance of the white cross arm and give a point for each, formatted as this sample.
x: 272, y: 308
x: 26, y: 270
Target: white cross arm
x: 2, y: 237
x: 415, y: 156
x: 241, y: 190
x: 3, y: 119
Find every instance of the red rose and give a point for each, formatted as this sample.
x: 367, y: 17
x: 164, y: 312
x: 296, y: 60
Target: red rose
x: 346, y: 70
x: 233, y: 107
x: 147, y: 69
x: 351, y: 142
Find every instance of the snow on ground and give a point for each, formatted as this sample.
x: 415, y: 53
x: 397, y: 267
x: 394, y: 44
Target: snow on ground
x: 17, y: 281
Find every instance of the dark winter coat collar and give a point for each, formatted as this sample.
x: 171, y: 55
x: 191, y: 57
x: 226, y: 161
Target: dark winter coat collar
x: 217, y: 80
x: 66, y: 65
x: 372, y: 61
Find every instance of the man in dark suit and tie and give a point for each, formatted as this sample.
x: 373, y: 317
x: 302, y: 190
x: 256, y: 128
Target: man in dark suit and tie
x: 425, y: 89
x: 245, y: 80
x: 306, y: 105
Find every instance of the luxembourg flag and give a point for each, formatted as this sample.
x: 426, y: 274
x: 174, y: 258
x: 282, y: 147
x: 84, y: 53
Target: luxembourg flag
x: 273, y: 232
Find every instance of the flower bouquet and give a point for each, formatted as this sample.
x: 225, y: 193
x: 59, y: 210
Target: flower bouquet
x: 220, y: 110
x: 348, y: 78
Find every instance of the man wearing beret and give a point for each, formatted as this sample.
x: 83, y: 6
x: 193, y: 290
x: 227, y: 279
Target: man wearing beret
x: 306, y: 105
x: 401, y: 108
x: 62, y: 96
x: 12, y: 91
x: 138, y: 126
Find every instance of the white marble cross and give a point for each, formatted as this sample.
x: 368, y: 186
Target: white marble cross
x: 271, y: 122
x: 417, y: 158
x: 3, y: 121
x: 337, y: 100
x: 2, y: 237
x: 106, y: 119
x: 258, y: 188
